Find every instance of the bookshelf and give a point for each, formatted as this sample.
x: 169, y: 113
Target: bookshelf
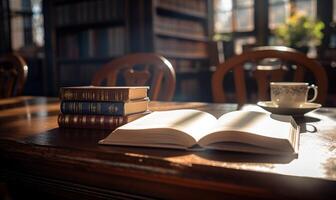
x: 81, y: 36
x: 20, y: 25
x: 180, y: 32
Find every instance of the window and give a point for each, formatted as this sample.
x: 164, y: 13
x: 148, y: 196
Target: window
x: 279, y: 10
x: 38, y: 31
x: 334, y: 10
x: 234, y: 15
x: 307, y: 6
x: 26, y: 23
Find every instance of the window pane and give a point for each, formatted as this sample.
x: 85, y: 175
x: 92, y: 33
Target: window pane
x: 245, y: 19
x: 17, y: 25
x: 245, y: 3
x: 279, y: 10
x: 223, y: 5
x: 334, y: 10
x: 223, y: 22
x: 234, y: 15
x: 38, y: 32
x: 307, y: 7
x: 15, y: 4
x: 17, y: 32
x: 273, y: 2
x: 278, y: 14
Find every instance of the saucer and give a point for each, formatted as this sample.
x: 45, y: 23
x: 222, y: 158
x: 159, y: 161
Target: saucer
x: 295, y: 111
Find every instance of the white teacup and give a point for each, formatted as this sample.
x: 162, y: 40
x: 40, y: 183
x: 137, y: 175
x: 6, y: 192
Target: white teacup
x: 291, y: 94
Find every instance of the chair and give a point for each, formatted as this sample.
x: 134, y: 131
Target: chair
x: 138, y: 70
x: 13, y: 75
x: 289, y: 61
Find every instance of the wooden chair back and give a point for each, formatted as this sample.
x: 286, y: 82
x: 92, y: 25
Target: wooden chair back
x: 289, y: 60
x: 13, y: 75
x: 140, y: 69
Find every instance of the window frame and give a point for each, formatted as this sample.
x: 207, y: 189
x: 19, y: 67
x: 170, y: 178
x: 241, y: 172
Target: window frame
x: 233, y: 11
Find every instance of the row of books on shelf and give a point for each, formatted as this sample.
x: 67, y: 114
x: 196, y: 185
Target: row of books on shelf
x: 101, y: 107
x: 91, y: 43
x: 82, y: 12
x: 169, y: 46
x: 168, y: 24
x: 198, y: 6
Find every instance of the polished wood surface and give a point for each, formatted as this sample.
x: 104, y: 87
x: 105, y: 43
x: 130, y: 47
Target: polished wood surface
x: 285, y: 55
x: 69, y: 163
x: 138, y: 70
x: 13, y: 75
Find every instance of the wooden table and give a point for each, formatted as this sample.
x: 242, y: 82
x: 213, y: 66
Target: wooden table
x: 38, y: 158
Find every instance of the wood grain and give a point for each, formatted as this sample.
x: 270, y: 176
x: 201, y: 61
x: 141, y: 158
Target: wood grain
x: 36, y: 152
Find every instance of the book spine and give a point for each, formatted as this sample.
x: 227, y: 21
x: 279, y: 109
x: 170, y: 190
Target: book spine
x: 93, y: 95
x: 90, y: 121
x: 92, y: 108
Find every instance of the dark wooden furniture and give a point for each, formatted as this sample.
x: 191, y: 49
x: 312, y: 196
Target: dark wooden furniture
x: 180, y: 31
x: 80, y: 37
x: 177, y: 30
x: 83, y: 35
x: 13, y: 75
x: 138, y: 70
x: 38, y: 158
x: 286, y: 57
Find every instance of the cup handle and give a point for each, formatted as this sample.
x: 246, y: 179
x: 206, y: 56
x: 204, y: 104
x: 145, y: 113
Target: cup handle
x: 315, y: 92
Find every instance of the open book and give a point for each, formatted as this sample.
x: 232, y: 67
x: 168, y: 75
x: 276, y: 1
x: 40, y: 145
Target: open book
x: 241, y: 131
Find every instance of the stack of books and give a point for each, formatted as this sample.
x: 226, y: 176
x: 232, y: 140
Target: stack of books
x: 101, y: 107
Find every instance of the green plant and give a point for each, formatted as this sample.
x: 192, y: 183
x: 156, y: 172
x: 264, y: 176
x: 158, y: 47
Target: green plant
x: 300, y: 31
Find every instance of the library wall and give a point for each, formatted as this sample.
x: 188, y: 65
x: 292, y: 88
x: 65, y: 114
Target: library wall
x: 89, y: 33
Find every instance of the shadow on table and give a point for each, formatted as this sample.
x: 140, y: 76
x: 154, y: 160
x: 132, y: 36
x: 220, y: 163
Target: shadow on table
x: 305, y: 124
x: 87, y: 140
x: 245, y: 157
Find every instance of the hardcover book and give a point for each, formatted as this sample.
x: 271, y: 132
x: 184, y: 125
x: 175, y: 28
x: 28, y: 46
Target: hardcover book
x: 100, y: 93
x: 104, y: 107
x: 239, y: 131
x: 96, y: 121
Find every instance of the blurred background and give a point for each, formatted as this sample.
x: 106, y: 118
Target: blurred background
x: 66, y: 41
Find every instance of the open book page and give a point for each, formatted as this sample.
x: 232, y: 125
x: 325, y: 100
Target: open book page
x: 164, y: 128
x: 254, y: 128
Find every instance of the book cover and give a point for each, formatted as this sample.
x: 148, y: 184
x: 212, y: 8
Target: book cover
x: 104, y: 108
x: 95, y: 121
x: 100, y: 93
